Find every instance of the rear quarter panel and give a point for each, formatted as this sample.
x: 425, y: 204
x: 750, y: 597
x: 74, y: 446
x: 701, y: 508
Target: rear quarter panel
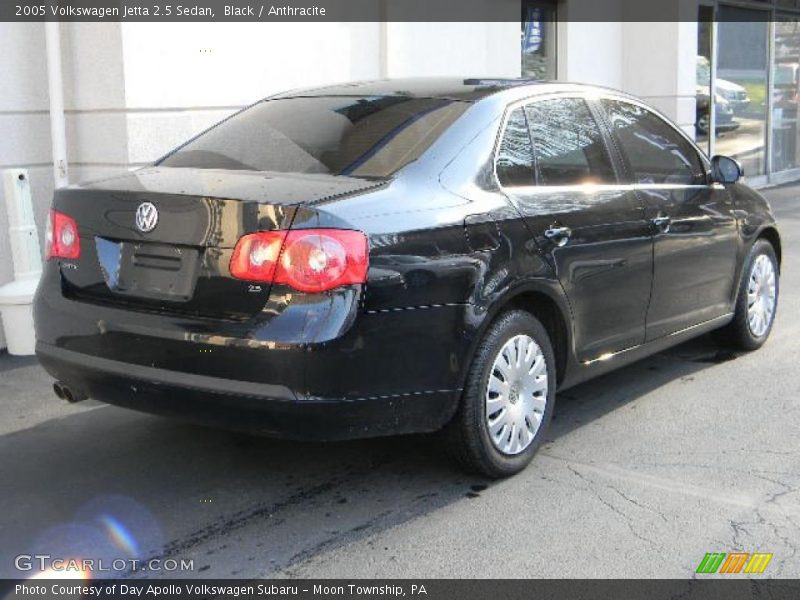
x: 447, y: 251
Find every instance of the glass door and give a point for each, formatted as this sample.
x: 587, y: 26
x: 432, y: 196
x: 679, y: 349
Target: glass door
x: 741, y: 101
x: 786, y: 92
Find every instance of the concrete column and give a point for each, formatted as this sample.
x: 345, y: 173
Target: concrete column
x: 666, y: 78
x: 659, y: 58
x: 653, y: 60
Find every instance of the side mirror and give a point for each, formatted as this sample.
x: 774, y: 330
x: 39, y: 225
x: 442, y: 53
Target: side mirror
x: 725, y: 169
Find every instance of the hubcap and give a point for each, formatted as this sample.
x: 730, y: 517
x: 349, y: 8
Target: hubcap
x: 516, y: 395
x: 761, y: 295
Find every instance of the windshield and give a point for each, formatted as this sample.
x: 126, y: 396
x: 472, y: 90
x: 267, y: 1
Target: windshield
x: 340, y: 135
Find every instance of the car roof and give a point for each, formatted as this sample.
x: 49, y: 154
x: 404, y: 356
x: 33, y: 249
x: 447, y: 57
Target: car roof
x: 490, y: 96
x: 467, y: 89
x: 454, y: 88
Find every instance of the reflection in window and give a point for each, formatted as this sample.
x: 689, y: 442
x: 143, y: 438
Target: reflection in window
x: 568, y: 146
x: 741, y: 83
x: 515, y: 156
x: 702, y: 123
x: 656, y: 152
x: 786, y: 78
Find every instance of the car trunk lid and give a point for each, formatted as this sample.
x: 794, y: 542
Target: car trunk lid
x: 176, y: 257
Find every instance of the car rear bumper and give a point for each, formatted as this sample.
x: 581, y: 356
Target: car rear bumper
x: 728, y: 126
x: 266, y: 409
x: 307, y: 367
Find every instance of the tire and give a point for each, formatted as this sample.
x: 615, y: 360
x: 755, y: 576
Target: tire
x: 469, y: 436
x: 741, y: 333
x: 703, y: 124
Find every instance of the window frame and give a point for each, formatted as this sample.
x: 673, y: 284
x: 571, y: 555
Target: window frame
x: 600, y: 119
x: 623, y: 155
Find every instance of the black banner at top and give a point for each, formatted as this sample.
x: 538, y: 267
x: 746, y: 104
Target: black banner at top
x: 359, y: 10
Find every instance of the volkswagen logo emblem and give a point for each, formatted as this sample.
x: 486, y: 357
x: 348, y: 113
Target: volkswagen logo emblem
x: 146, y: 217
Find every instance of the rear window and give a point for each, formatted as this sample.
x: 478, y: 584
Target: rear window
x: 358, y: 136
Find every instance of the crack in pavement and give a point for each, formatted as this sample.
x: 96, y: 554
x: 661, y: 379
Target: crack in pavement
x: 747, y: 501
x: 635, y: 503
x: 625, y: 517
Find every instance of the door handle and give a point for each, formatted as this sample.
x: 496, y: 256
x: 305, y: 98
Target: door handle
x: 662, y: 224
x: 558, y: 235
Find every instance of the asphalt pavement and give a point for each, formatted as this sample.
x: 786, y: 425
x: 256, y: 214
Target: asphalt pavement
x: 645, y: 470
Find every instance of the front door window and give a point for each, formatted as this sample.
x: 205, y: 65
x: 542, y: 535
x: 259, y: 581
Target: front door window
x: 656, y: 152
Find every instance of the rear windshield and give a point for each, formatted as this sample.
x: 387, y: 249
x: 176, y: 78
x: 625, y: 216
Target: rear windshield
x: 359, y: 136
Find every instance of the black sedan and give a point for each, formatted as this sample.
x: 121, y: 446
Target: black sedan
x: 402, y: 256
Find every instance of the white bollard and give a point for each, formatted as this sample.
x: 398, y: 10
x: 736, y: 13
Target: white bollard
x: 16, y: 297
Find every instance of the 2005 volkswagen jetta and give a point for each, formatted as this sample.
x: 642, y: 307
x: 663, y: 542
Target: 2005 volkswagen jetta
x: 402, y: 256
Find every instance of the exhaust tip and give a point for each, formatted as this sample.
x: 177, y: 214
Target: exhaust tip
x: 68, y: 394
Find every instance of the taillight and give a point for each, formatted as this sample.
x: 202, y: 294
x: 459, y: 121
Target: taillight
x: 256, y: 255
x: 61, y: 239
x: 315, y: 260
x: 308, y: 260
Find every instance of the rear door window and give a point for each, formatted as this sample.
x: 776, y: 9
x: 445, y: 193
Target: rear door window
x: 568, y: 145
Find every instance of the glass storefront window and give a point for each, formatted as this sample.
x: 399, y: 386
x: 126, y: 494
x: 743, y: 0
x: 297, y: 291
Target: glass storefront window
x: 786, y: 92
x: 741, y: 87
x: 539, y: 40
x: 746, y: 50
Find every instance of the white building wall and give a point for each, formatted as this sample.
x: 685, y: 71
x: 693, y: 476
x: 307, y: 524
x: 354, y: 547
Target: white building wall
x: 453, y: 49
x: 591, y: 52
x: 655, y: 61
x: 94, y: 100
x: 179, y: 79
x: 665, y: 79
x: 660, y: 57
x: 24, y: 122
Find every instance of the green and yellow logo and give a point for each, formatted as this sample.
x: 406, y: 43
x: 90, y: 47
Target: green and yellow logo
x: 735, y: 562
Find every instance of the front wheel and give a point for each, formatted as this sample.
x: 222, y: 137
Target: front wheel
x: 508, y: 400
x: 703, y: 124
x: 757, y: 299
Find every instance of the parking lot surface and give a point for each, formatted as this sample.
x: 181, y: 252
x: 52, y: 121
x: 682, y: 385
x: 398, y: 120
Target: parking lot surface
x: 645, y: 470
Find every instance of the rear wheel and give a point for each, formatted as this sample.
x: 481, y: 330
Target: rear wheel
x: 508, y: 399
x: 757, y: 300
